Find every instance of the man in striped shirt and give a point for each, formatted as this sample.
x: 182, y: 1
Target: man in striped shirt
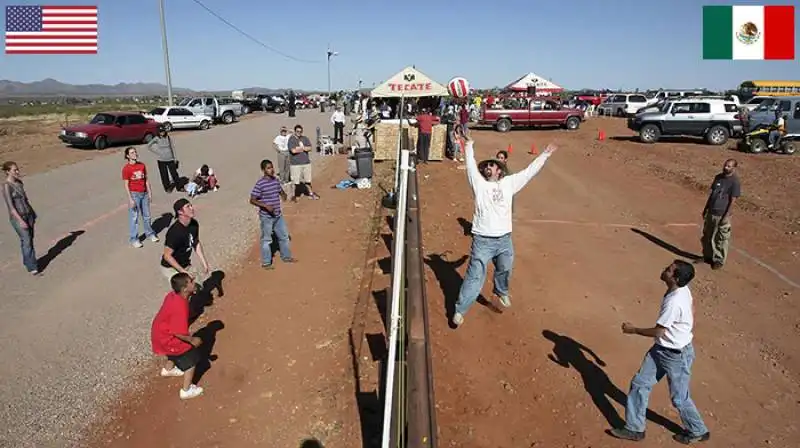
x: 267, y: 195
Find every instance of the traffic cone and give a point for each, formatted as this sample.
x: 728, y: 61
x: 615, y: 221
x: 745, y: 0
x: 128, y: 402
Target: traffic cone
x: 601, y: 135
x: 510, y: 148
x: 533, y: 151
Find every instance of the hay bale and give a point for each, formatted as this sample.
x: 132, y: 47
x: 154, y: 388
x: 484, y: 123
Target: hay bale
x: 387, y: 134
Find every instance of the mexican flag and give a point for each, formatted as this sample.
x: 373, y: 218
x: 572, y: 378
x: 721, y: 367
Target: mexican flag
x: 748, y: 32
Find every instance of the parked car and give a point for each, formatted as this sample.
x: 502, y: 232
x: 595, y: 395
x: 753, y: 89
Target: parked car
x: 538, y: 113
x: 624, y: 104
x: 267, y: 103
x: 714, y: 119
x: 224, y: 110
x: 179, y: 118
x: 111, y: 128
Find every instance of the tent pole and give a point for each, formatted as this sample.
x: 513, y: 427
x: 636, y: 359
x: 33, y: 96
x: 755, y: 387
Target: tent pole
x: 399, y: 143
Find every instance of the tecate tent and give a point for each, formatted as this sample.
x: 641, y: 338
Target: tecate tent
x: 410, y: 83
x: 542, y: 85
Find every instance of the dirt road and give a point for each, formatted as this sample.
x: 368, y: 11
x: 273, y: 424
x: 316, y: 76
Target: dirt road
x: 592, y: 233
x: 76, y: 337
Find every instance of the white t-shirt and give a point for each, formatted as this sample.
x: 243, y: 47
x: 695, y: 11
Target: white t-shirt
x: 677, y: 316
x: 282, y: 142
x: 492, y: 215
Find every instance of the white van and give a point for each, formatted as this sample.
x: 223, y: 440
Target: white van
x: 623, y: 104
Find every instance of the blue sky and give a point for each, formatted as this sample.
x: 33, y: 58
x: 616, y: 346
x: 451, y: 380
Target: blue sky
x: 619, y: 44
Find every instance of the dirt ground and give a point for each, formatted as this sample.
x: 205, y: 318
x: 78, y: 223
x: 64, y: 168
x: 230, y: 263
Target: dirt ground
x: 32, y: 142
x: 281, y: 373
x: 591, y: 235
x: 553, y: 370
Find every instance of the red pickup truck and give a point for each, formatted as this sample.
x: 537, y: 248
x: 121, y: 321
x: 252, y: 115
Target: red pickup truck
x: 538, y: 113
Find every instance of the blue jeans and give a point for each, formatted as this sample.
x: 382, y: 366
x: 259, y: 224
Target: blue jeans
x: 773, y: 137
x: 141, y: 204
x: 498, y: 250
x: 277, y: 225
x: 26, y: 242
x: 677, y: 366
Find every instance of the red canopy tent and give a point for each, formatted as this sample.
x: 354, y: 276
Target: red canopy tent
x: 543, y: 86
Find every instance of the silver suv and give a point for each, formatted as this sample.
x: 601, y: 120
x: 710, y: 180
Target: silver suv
x: 713, y: 119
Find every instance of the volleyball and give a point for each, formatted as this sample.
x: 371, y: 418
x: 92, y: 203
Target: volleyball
x: 458, y: 87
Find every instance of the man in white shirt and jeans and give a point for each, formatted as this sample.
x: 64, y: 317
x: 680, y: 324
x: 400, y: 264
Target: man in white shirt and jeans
x: 491, y: 226
x: 337, y: 120
x: 281, y: 145
x: 672, y: 354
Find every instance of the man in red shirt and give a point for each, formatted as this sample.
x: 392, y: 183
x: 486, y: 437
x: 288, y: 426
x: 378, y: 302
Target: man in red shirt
x: 137, y: 186
x: 425, y: 122
x: 170, y: 336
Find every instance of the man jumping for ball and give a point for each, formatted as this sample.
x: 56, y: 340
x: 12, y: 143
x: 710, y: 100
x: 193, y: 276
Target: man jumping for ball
x: 491, y: 226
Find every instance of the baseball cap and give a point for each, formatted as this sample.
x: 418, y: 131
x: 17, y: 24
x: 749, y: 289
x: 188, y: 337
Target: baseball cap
x: 179, y: 204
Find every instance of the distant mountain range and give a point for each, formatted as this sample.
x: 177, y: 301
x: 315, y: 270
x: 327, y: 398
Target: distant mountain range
x: 52, y: 87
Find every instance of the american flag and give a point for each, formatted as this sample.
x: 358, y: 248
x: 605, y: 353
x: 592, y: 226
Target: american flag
x: 51, y: 29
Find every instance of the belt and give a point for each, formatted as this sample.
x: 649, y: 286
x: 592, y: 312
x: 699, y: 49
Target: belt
x: 677, y: 351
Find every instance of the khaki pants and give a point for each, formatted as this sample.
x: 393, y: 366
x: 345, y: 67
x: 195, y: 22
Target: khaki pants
x: 283, y: 167
x: 716, y: 238
x: 170, y: 271
x: 301, y: 174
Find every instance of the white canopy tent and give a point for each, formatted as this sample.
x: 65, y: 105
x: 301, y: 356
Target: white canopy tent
x: 543, y: 86
x: 410, y: 83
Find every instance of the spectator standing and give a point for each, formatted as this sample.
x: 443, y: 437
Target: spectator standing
x: 300, y: 163
x: 425, y: 123
x: 21, y: 214
x: 137, y: 186
x: 281, y: 145
x: 267, y: 195
x: 671, y: 355
x: 183, y: 238
x: 164, y: 150
x: 169, y: 336
x: 717, y: 215
x: 338, y: 119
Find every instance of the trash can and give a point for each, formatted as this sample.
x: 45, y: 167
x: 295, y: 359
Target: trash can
x: 363, y: 158
x: 322, y: 107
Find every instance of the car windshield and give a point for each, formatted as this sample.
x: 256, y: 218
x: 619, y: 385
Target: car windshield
x: 185, y: 102
x: 766, y: 106
x: 103, y: 119
x: 157, y: 111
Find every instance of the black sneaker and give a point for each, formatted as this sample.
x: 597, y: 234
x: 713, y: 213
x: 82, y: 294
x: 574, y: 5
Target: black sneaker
x: 688, y: 439
x: 716, y: 265
x: 626, y: 434
x: 267, y: 267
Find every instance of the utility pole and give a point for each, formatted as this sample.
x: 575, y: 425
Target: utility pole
x: 165, y: 49
x: 330, y: 55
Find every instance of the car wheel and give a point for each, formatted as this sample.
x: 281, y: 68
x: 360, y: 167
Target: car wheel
x: 649, y: 133
x: 147, y: 137
x: 279, y: 109
x: 101, y: 142
x: 717, y: 135
x: 620, y: 113
x: 789, y: 148
x: 758, y: 146
x: 204, y: 125
x: 167, y: 126
x: 245, y: 110
x: 503, y: 125
x: 573, y: 123
x: 227, y: 117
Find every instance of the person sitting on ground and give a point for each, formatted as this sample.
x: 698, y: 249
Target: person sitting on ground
x: 170, y: 336
x: 204, y: 180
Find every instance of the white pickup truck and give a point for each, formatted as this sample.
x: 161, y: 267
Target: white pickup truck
x: 222, y: 110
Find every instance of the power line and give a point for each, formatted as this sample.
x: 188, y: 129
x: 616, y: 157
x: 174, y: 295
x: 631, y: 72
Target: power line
x: 245, y: 34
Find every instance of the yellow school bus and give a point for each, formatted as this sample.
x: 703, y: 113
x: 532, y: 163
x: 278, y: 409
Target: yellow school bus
x: 749, y: 89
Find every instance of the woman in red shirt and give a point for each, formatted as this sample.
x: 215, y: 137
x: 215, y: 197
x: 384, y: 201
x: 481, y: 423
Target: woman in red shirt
x: 137, y: 185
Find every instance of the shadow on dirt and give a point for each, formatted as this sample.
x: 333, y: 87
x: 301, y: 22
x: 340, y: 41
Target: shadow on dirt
x: 568, y: 352
x: 466, y: 225
x: 209, y: 336
x: 60, y: 246
x: 666, y: 246
x: 311, y: 443
x: 680, y: 140
x: 205, y: 297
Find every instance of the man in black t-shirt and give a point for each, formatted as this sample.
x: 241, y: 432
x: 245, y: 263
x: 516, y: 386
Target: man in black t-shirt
x: 183, y: 237
x: 717, y: 215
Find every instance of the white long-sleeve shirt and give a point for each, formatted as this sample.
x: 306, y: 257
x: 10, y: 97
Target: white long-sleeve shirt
x: 337, y: 117
x: 492, y: 215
